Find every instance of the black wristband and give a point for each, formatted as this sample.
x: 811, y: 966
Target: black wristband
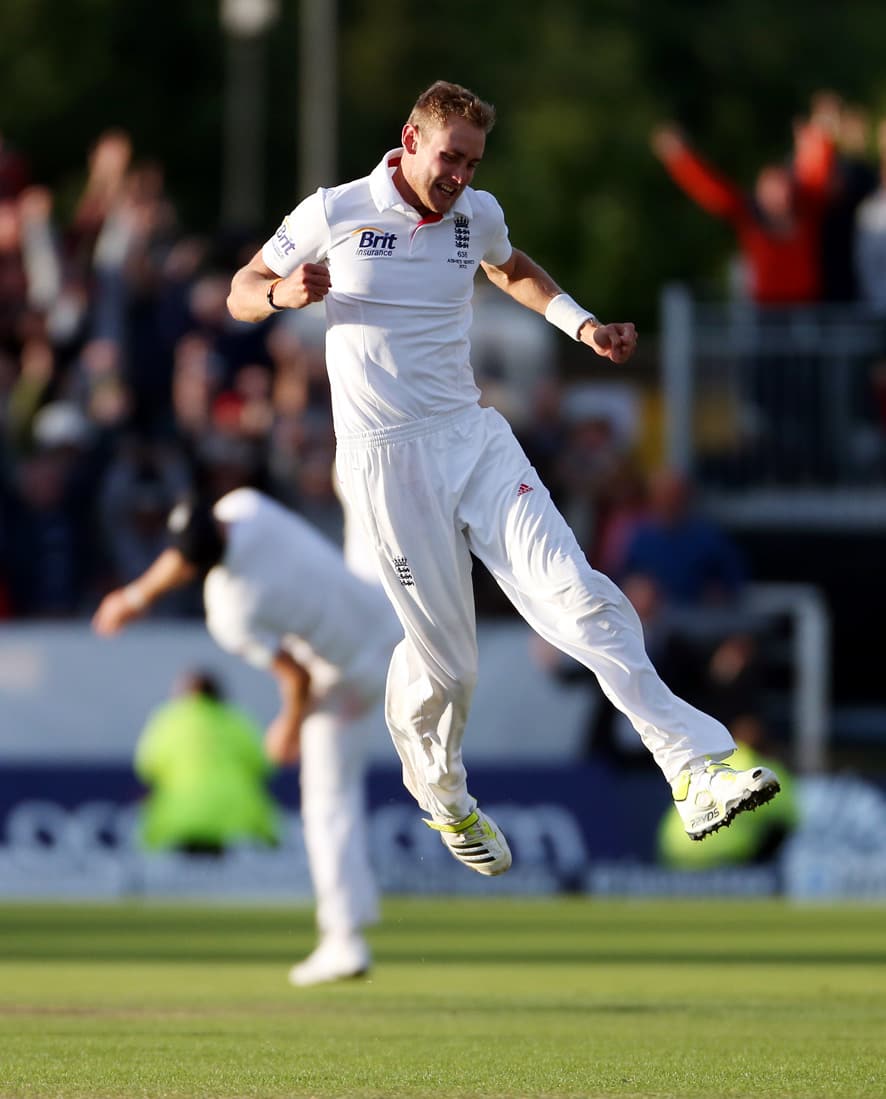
x: 270, y: 297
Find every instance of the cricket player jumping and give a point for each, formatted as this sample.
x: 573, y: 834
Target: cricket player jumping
x: 434, y: 477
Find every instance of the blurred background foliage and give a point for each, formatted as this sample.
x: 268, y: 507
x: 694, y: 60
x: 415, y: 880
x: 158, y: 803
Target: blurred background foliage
x: 578, y: 87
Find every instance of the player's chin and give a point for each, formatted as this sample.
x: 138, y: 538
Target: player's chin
x: 442, y: 202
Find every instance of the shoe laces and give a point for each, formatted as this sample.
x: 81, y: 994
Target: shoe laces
x: 469, y: 836
x: 476, y: 834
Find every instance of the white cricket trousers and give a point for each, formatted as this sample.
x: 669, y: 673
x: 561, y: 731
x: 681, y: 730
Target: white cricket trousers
x: 435, y: 491
x: 333, y: 811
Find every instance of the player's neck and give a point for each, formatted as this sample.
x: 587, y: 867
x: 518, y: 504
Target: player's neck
x: 403, y: 186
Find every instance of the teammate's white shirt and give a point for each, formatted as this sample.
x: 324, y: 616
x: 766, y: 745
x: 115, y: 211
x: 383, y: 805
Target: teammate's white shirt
x: 399, y: 309
x: 281, y: 584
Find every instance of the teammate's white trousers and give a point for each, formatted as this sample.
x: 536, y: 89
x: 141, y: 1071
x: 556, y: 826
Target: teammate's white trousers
x: 333, y: 811
x: 431, y: 493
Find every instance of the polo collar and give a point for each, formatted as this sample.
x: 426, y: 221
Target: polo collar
x: 386, y: 196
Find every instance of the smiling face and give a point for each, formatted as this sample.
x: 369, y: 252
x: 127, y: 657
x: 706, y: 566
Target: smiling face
x: 438, y: 163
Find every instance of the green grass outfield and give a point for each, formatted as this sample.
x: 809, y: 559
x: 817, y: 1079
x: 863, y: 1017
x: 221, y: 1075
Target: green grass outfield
x: 562, y: 997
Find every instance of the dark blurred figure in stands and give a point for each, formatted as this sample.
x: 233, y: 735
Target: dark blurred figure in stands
x: 779, y: 224
x: 220, y: 463
x: 57, y: 304
x: 853, y: 177
x: 13, y: 276
x: 52, y: 542
x: 731, y: 679
x: 97, y: 382
x: 14, y: 177
x: 691, y: 558
x: 14, y: 170
x: 622, y: 505
x: 592, y: 451
x: 108, y: 162
x: 136, y: 495
x: 870, y: 260
x: 30, y: 388
x: 544, y: 433
x: 870, y: 238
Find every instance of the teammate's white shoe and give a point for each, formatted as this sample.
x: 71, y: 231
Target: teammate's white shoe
x: 710, y: 798
x: 337, y: 958
x: 477, y: 842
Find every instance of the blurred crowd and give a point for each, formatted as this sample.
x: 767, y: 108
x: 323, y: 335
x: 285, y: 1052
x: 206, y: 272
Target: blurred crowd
x: 812, y: 228
x: 123, y: 381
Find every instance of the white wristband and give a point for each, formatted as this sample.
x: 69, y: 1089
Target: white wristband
x: 567, y: 315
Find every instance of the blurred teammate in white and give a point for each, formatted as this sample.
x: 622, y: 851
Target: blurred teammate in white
x: 435, y: 477
x: 280, y: 596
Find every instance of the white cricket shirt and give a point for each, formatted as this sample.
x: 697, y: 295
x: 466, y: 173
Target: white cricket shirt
x: 281, y: 584
x: 399, y: 310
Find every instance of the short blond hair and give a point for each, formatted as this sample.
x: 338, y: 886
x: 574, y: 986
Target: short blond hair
x: 444, y: 100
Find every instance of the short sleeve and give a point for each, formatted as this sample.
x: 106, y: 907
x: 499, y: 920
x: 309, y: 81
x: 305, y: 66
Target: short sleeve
x: 303, y: 237
x: 498, y: 245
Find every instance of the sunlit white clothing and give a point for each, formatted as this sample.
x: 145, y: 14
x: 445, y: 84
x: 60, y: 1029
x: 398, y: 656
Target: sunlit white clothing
x: 399, y: 310
x: 464, y: 485
x: 282, y: 585
x: 434, y: 478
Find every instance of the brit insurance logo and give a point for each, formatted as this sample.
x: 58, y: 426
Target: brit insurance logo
x: 374, y: 242
x: 283, y: 243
